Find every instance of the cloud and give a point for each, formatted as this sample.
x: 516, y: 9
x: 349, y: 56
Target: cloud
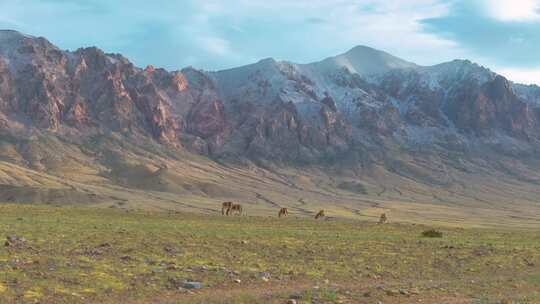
x: 316, y: 20
x: 511, y: 43
x: 281, y: 29
x: 525, y: 76
x: 216, y: 45
x: 216, y: 34
x: 512, y: 10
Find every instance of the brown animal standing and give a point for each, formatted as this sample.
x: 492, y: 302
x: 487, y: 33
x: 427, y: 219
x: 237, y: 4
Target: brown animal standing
x: 320, y: 214
x: 235, y: 209
x: 283, y: 212
x: 225, y: 208
x: 383, y: 219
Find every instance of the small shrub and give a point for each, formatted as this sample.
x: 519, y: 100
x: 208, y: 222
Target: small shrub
x: 354, y: 187
x: 432, y: 233
x: 329, y: 295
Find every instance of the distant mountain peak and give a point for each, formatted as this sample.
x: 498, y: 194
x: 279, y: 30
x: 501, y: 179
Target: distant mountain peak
x: 9, y: 32
x: 269, y: 60
x: 367, y: 61
x: 364, y: 50
x: 6, y: 33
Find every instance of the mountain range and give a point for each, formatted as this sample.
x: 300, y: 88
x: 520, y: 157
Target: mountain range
x: 357, y: 133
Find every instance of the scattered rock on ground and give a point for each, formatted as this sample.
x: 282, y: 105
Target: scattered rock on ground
x: 404, y: 292
x: 126, y: 258
x: 264, y: 274
x: 192, y: 285
x: 170, y: 250
x: 12, y: 240
x: 392, y: 292
x: 295, y: 296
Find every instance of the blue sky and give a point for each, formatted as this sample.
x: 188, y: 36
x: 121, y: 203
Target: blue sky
x: 210, y: 34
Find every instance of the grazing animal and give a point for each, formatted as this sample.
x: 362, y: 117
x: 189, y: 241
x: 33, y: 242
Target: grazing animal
x: 235, y: 209
x: 283, y: 212
x: 320, y: 214
x: 225, y: 208
x: 383, y: 219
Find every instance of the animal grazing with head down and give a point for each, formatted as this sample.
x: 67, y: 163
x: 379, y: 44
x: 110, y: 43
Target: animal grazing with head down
x: 283, y: 212
x: 225, y: 207
x: 383, y: 219
x: 320, y: 215
x: 235, y: 209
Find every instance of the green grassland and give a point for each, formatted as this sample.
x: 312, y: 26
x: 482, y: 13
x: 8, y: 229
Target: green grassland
x: 109, y: 255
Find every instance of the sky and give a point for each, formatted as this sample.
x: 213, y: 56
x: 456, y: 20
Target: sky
x: 503, y: 35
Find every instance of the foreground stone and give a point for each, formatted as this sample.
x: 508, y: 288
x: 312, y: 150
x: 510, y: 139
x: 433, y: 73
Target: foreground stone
x: 193, y: 285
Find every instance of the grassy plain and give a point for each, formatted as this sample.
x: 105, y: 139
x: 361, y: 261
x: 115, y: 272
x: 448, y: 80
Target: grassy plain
x: 109, y: 255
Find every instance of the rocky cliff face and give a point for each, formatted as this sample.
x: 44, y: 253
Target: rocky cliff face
x: 89, y: 91
x: 358, y: 103
x: 493, y: 106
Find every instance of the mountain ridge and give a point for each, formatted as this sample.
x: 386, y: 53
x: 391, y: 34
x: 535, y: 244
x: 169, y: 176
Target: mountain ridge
x: 307, y: 86
x: 424, y: 132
